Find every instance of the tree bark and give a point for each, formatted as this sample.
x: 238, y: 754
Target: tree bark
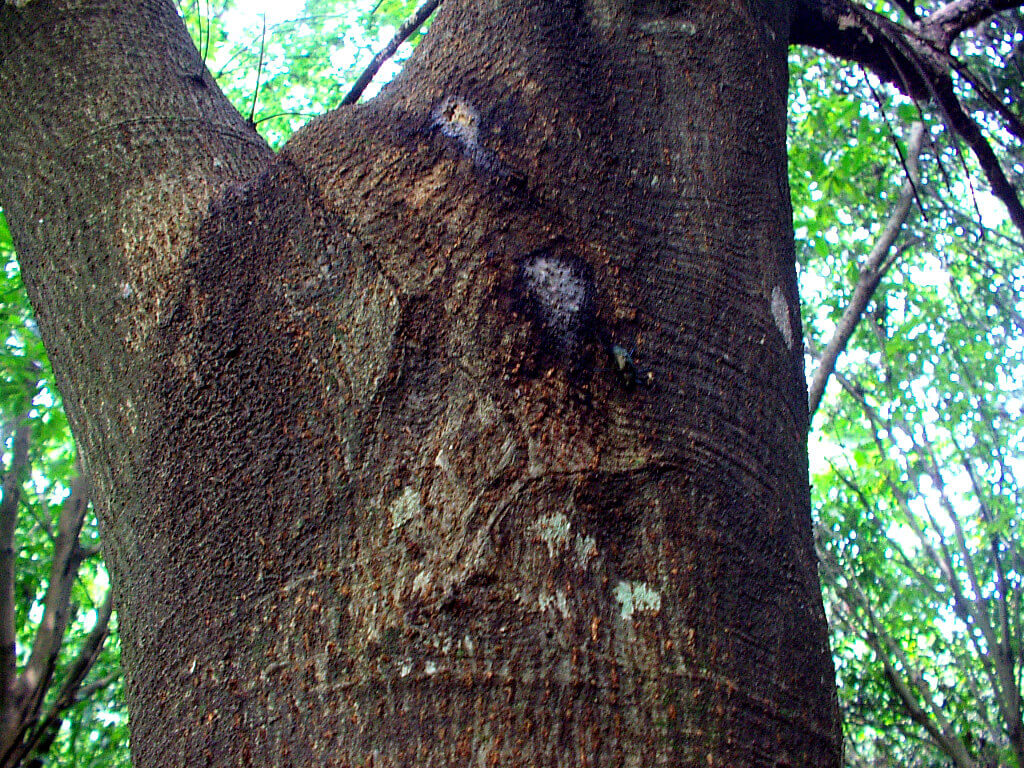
x: 470, y: 428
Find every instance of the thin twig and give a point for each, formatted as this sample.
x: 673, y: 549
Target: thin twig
x: 259, y: 71
x: 404, y: 32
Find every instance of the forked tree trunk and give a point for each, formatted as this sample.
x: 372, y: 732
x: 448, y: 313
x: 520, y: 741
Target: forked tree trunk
x: 469, y: 430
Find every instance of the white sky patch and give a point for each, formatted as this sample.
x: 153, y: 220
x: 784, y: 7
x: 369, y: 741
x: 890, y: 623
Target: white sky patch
x: 248, y: 15
x: 993, y: 211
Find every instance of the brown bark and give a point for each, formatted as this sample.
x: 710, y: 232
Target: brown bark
x: 472, y: 428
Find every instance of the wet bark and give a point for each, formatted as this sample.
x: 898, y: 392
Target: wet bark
x: 471, y: 427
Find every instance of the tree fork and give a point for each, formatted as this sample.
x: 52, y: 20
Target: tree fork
x: 371, y: 486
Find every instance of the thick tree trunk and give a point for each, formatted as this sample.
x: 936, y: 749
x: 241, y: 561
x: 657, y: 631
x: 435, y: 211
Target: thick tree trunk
x: 471, y: 430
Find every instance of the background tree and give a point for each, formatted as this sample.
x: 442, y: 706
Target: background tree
x: 54, y: 603
x: 915, y: 488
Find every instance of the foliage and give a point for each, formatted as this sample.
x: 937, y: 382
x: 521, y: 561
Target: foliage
x: 285, y: 72
x: 85, y: 687
x: 916, y: 489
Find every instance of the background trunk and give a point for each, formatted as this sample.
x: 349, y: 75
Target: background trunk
x: 471, y: 429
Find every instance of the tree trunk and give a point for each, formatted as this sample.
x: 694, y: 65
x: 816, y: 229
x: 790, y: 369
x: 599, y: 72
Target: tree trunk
x: 471, y: 428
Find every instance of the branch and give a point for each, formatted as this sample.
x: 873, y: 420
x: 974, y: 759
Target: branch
x: 30, y: 689
x: 8, y: 522
x: 997, y: 648
x: 1010, y: 700
x: 968, y: 129
x: 151, y: 110
x: 90, y: 651
x: 854, y: 33
x: 905, y: 686
x: 939, y: 557
x: 404, y: 32
x: 916, y: 61
x: 871, y: 275
x: 953, y: 18
x: 941, y: 734
x: 110, y: 125
x: 72, y: 692
x: 87, y: 691
x: 1014, y: 124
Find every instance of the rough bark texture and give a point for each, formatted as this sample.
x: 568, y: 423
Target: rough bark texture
x: 470, y: 429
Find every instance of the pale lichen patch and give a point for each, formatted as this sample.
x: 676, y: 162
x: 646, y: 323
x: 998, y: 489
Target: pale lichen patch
x: 780, y: 312
x: 456, y: 118
x: 422, y: 582
x: 636, y: 597
x: 586, y: 550
x: 671, y: 25
x: 559, y: 601
x: 404, y: 507
x: 459, y: 120
x: 560, y: 293
x: 553, y: 530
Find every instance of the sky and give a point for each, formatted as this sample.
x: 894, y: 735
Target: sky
x: 245, y: 17
x: 276, y: 11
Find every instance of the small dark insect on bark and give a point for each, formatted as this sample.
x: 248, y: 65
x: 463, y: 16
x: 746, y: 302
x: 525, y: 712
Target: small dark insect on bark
x: 625, y: 368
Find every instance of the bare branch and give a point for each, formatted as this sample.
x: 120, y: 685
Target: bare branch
x: 33, y: 682
x: 71, y: 692
x: 908, y: 686
x: 87, y: 552
x: 942, y: 736
x: 87, y: 655
x: 854, y: 33
x: 965, y: 609
x: 871, y: 275
x: 997, y: 648
x: 404, y: 32
x: 917, y: 62
x: 13, y: 479
x: 87, y: 691
x: 1013, y: 123
x: 968, y: 129
x: 953, y: 18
